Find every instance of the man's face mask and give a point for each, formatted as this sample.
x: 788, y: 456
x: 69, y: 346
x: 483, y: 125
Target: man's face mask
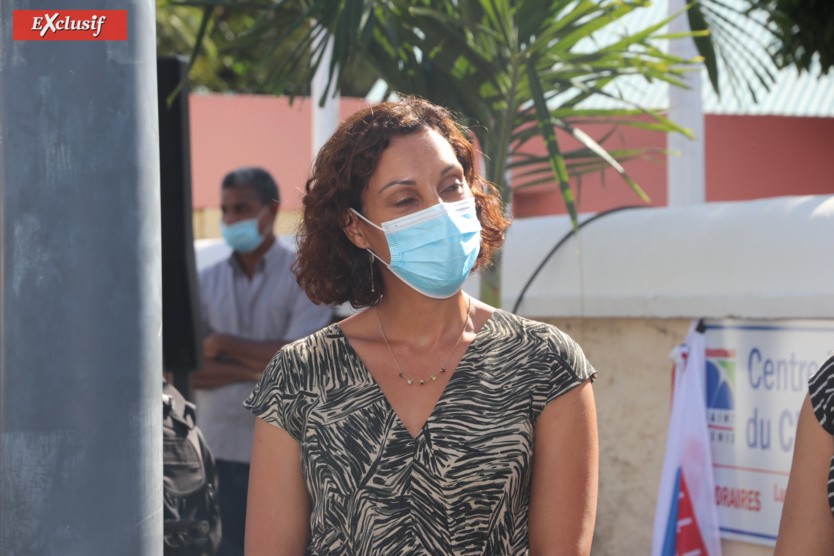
x: 243, y: 236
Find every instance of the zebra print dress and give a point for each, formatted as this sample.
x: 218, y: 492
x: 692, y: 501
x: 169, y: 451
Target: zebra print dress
x: 462, y: 485
x: 821, y: 391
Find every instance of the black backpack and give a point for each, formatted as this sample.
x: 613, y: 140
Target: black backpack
x: 192, y: 509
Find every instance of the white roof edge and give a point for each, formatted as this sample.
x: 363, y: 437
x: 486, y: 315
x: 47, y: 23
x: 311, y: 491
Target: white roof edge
x: 669, y: 307
x: 769, y: 258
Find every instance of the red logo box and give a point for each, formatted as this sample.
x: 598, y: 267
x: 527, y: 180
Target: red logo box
x: 70, y: 25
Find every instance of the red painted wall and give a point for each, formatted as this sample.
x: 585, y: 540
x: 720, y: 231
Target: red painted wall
x: 747, y: 157
x: 751, y: 157
x: 248, y: 130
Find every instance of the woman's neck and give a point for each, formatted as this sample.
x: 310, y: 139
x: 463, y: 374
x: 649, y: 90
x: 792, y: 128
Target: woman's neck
x: 412, y: 316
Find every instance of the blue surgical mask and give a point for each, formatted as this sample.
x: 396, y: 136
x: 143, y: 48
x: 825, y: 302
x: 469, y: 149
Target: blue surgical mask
x: 433, y: 250
x: 243, y: 236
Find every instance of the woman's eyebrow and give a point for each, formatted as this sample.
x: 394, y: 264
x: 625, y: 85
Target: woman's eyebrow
x: 449, y: 168
x: 396, y: 182
x: 445, y: 171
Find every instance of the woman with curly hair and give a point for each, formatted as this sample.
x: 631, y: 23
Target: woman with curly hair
x: 428, y: 422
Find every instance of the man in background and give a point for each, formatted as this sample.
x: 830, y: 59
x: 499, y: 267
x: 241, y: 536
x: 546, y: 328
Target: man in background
x: 251, y: 307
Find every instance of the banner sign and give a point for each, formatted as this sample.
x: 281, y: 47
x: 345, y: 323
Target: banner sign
x: 757, y: 377
x: 69, y: 25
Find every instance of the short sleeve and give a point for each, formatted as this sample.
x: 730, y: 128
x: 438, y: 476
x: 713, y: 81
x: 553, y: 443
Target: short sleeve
x: 270, y: 399
x: 569, y: 367
x: 821, y: 391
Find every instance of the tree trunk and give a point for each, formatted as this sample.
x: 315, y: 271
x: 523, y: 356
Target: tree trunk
x: 491, y: 282
x: 496, y: 174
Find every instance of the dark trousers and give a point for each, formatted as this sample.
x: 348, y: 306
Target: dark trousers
x: 233, y: 490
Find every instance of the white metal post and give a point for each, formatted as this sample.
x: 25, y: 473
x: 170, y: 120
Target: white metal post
x: 686, y: 173
x: 325, y: 118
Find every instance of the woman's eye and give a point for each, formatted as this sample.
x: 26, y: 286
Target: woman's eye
x: 455, y: 187
x: 404, y: 202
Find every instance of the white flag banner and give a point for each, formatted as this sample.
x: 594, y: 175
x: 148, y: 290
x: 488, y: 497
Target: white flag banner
x: 686, y: 520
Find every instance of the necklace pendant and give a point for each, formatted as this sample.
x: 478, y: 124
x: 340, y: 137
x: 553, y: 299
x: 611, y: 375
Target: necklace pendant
x: 433, y: 377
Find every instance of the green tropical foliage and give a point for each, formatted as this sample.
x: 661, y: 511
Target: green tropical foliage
x: 234, y: 47
x: 513, y: 69
x: 752, y: 39
x: 803, y: 29
x: 520, y: 70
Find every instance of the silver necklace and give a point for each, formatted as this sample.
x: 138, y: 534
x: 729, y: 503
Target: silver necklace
x: 433, y: 377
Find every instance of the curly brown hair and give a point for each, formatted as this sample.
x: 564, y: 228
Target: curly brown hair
x: 330, y: 268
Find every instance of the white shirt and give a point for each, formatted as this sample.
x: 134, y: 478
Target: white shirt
x: 269, y: 307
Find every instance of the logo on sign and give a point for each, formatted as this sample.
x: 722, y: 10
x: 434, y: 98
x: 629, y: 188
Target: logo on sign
x: 70, y: 25
x: 721, y: 389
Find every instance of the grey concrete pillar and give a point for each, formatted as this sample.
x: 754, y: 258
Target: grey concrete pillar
x: 80, y: 300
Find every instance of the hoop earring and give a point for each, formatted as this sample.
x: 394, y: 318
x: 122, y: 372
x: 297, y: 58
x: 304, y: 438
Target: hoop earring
x: 373, y: 290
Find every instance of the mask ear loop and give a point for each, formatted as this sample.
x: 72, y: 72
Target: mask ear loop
x: 357, y: 213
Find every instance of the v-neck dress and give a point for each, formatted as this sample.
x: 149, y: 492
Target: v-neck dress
x: 462, y: 486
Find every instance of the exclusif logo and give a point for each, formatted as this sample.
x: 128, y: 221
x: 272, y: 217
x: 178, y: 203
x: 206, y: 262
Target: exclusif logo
x: 70, y: 25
